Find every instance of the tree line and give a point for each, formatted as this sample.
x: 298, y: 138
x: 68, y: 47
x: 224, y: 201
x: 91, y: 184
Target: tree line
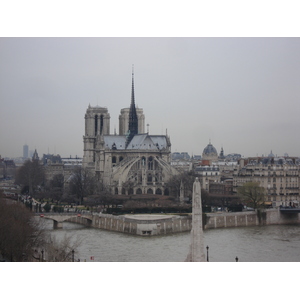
x: 32, y: 179
x: 82, y: 183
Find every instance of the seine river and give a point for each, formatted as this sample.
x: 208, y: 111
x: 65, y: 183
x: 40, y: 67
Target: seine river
x: 250, y: 244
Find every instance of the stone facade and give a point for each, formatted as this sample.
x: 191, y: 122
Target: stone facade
x: 142, y: 167
x: 208, y: 175
x: 124, y: 121
x: 279, y: 177
x: 7, y: 168
x: 132, y: 162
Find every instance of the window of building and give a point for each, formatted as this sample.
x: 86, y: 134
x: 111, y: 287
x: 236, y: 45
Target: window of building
x: 101, y: 124
x: 149, y: 191
x: 96, y: 124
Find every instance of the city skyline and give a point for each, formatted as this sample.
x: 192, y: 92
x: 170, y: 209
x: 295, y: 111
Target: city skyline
x: 239, y: 93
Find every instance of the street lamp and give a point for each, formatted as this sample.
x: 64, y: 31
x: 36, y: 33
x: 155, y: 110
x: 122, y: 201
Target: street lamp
x: 207, y: 253
x: 73, y: 255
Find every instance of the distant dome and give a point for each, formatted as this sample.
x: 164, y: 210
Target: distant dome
x: 210, y: 153
x: 210, y: 150
x: 271, y: 154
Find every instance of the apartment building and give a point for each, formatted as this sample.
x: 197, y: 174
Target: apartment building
x: 278, y: 175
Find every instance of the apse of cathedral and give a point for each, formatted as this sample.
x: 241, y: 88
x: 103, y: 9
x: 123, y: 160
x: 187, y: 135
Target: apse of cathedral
x: 132, y: 162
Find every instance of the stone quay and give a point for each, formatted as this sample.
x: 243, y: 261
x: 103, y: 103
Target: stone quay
x: 156, y: 224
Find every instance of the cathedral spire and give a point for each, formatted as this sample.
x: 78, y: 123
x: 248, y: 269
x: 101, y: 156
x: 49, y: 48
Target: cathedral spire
x: 133, y: 120
x: 132, y: 88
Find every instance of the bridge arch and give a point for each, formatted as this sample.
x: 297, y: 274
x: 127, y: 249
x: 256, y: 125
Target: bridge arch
x: 58, y: 219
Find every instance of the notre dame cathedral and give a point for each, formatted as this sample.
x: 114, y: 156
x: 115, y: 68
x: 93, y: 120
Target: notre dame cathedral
x: 132, y: 162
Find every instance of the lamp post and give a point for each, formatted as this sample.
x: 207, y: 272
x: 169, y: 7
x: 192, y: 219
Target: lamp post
x: 207, y: 253
x: 73, y: 255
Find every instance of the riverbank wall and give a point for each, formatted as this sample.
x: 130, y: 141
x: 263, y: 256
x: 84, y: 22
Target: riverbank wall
x: 250, y: 218
x: 143, y: 225
x: 148, y: 225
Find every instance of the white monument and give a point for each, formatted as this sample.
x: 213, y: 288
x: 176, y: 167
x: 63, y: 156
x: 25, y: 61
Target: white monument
x: 197, y: 244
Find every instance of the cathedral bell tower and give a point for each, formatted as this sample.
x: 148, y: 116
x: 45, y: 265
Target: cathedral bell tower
x: 97, y: 124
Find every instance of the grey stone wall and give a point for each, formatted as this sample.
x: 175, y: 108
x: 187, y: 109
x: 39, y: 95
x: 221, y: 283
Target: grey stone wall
x: 137, y: 227
x: 183, y: 224
x: 240, y: 219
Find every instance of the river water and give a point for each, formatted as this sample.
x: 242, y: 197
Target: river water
x: 274, y: 243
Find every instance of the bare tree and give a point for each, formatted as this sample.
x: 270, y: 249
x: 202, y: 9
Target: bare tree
x: 61, y: 251
x: 19, y: 233
x: 187, y: 179
x: 82, y: 183
x: 55, y: 188
x: 252, y: 194
x: 31, y: 175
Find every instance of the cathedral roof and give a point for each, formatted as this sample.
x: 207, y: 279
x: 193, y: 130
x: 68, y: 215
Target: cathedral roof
x: 138, y: 142
x: 118, y: 140
x: 148, y: 142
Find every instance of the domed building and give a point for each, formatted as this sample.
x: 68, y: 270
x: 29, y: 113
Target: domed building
x: 210, y: 153
x: 271, y: 154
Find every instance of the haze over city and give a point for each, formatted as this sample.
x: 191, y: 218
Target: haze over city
x: 217, y: 84
x: 240, y: 93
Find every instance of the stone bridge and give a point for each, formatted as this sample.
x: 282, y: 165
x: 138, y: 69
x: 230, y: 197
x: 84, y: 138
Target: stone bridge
x: 59, y: 218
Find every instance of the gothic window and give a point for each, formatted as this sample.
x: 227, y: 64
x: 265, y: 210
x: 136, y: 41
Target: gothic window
x: 101, y: 124
x: 150, y: 163
x: 96, y: 124
x: 139, y: 191
x: 123, y: 191
x: 158, y: 192
x: 116, y: 191
x: 149, y: 178
x: 114, y: 160
x: 130, y: 191
x: 149, y: 191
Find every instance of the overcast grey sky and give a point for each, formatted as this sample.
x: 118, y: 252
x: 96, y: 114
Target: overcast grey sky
x: 242, y: 93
